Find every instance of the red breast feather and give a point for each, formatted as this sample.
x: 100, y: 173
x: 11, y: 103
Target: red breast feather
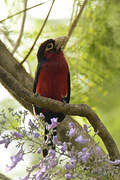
x: 52, y: 80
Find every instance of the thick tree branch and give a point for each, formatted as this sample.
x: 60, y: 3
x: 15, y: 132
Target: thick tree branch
x: 11, y: 65
x: 38, y: 35
x: 22, y: 28
x: 79, y: 110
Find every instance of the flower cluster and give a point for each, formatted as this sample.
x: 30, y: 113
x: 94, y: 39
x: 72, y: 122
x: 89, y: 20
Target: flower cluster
x: 62, y: 163
x: 16, y: 159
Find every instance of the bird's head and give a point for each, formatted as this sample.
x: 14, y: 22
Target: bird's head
x: 52, y: 46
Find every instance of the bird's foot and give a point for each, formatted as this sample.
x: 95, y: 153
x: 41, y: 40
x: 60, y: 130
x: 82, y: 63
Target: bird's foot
x: 36, y: 94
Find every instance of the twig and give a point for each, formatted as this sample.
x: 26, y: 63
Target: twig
x: 56, y: 106
x: 22, y: 28
x: 22, y: 11
x: 72, y: 12
x: 12, y: 46
x: 77, y: 9
x: 73, y: 25
x: 7, y: 37
x: 38, y: 33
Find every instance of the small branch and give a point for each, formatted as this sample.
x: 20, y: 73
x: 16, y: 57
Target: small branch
x: 73, y: 25
x: 22, y: 11
x: 76, y: 19
x: 38, y: 33
x: 78, y: 110
x: 72, y: 12
x: 7, y: 37
x: 22, y: 28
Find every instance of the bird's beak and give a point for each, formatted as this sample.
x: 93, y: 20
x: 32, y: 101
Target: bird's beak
x: 60, y: 42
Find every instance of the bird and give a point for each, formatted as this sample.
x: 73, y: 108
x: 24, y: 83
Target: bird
x: 52, y: 80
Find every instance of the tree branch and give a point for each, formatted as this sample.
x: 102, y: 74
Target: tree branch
x: 22, y: 11
x: 73, y: 8
x: 6, y: 36
x: 79, y: 110
x: 76, y: 19
x: 73, y: 25
x: 11, y: 65
x: 39, y: 33
x: 22, y: 28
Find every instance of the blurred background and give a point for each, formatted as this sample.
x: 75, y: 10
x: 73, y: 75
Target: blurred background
x: 93, y: 51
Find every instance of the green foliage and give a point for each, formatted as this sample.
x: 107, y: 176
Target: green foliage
x: 95, y: 70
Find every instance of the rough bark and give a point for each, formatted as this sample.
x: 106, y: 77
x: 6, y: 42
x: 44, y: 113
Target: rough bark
x: 11, y: 65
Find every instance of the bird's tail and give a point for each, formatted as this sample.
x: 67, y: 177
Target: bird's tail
x: 49, y: 140
x: 49, y: 135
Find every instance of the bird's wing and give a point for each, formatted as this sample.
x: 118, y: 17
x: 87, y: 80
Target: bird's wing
x: 67, y: 98
x: 36, y: 77
x: 39, y: 66
x: 69, y: 88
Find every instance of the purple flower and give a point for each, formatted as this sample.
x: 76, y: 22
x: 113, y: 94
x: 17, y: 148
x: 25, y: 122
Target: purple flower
x: 55, y: 140
x: 64, y: 147
x: 81, y: 140
x: 72, y: 132
x: 40, y: 173
x: 84, y: 149
x: 32, y: 125
x: 39, y: 150
x: 85, y: 157
x: 35, y: 166
x: 116, y: 162
x: 79, y: 154
x: 71, y: 125
x: 36, y: 135
x: 15, y: 159
x: 69, y: 166
x: 52, y: 153
x: 54, y: 123
x: 98, y: 151
x: 53, y: 163
x: 5, y: 141
x: 17, y: 135
x: 73, y: 162
x: 6, y: 144
x: 85, y: 128
x: 68, y: 175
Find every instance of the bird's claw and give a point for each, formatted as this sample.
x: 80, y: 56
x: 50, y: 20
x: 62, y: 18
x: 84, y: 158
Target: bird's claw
x: 36, y: 94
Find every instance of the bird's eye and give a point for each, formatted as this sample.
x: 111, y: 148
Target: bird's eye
x: 49, y: 47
